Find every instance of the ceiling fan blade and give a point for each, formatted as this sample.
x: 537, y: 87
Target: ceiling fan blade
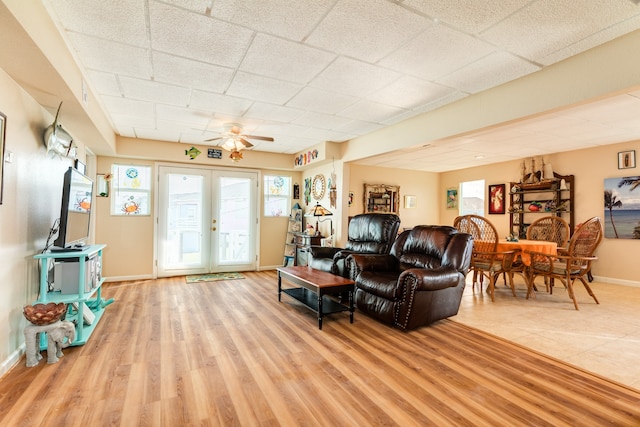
x: 213, y: 139
x: 261, y: 138
x: 246, y: 143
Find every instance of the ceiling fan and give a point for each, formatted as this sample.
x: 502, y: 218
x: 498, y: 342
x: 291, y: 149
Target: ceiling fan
x: 234, y: 140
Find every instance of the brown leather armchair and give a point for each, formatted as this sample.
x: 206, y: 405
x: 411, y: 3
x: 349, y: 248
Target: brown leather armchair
x: 419, y: 282
x: 368, y: 233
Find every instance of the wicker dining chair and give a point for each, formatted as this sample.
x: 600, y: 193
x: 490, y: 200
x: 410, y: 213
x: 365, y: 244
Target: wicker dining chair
x: 549, y: 229
x: 574, y: 265
x: 486, y: 261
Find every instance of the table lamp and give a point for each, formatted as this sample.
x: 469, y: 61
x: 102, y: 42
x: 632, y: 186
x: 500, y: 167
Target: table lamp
x: 320, y: 211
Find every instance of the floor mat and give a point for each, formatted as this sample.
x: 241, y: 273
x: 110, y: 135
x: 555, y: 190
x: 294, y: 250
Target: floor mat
x: 213, y: 277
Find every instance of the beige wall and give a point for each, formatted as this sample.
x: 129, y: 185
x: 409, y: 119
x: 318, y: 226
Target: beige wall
x: 423, y: 185
x: 273, y: 230
x: 32, y: 191
x: 616, y: 257
x: 130, y: 240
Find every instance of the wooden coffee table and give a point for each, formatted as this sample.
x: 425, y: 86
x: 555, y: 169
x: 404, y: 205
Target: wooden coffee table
x: 314, y: 285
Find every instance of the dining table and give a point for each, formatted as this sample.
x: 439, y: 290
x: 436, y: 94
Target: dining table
x: 521, y: 246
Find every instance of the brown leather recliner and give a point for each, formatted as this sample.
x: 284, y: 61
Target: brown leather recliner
x: 419, y: 282
x: 368, y: 233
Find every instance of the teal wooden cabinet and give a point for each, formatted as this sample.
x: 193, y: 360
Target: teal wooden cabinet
x: 75, y: 278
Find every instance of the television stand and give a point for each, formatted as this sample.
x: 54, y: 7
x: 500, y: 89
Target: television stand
x: 58, y: 250
x: 89, y: 290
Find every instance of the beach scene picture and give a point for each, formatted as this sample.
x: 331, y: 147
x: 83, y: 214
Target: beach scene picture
x: 622, y: 208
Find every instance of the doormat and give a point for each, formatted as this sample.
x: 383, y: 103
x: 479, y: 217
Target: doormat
x: 213, y: 277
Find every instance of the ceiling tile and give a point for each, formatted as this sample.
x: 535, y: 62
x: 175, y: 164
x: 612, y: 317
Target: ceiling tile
x: 154, y: 92
x: 477, y: 15
x: 261, y: 110
x: 117, y: 105
x: 216, y: 103
x: 285, y: 60
x: 322, y: 121
x: 104, y: 83
x: 371, y: 111
x: 264, y: 89
x: 492, y: 70
x: 197, y: 36
x: 121, y: 21
x: 321, y: 101
x: 436, y: 52
x: 107, y: 56
x: 356, y: 78
x: 286, y: 18
x: 409, y: 92
x: 190, y: 73
x: 363, y: 19
x: 560, y: 23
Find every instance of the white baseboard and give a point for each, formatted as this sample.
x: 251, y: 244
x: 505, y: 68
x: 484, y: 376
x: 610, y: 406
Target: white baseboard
x: 14, y: 358
x: 269, y: 267
x: 128, y: 278
x: 622, y: 282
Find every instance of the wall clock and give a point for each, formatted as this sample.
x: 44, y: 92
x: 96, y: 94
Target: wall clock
x: 318, y: 187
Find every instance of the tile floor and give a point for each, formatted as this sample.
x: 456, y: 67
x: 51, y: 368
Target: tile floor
x: 601, y: 338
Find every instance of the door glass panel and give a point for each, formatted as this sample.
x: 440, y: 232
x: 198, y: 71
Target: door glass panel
x: 184, y: 221
x: 234, y: 243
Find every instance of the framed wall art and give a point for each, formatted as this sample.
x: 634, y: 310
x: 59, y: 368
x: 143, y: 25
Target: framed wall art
x: 410, y: 202
x: 452, y: 198
x: 627, y: 159
x: 496, y: 199
x: 621, y: 216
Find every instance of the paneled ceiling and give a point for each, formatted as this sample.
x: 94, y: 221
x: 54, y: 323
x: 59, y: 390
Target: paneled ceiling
x: 308, y: 71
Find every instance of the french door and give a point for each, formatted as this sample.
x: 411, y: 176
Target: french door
x: 207, y: 221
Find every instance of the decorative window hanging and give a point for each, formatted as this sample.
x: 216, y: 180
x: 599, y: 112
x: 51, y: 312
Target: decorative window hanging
x: 130, y: 189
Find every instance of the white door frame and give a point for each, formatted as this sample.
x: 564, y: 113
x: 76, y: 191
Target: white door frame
x: 219, y: 171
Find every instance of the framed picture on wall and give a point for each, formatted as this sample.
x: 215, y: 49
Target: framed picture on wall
x: 452, y: 198
x: 627, y: 159
x: 496, y: 199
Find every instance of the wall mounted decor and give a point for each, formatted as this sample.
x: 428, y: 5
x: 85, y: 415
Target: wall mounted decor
x: 452, y: 198
x: 627, y: 159
x: 307, y: 191
x: 102, y: 185
x: 621, y: 217
x: 381, y: 198
x: 81, y: 167
x: 410, y: 202
x: 496, y: 199
x: 318, y: 187
x: 3, y: 125
x: 57, y: 140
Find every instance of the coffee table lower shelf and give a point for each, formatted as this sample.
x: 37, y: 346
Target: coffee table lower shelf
x: 310, y: 299
x: 314, y: 286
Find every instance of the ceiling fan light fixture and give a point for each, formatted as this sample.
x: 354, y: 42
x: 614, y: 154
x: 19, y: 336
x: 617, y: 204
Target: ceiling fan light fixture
x: 235, y: 155
x: 231, y: 145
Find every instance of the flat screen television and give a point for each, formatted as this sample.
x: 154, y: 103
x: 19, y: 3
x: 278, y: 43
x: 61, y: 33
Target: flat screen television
x: 75, y: 212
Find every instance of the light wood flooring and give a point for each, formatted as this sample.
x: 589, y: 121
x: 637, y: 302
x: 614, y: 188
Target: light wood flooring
x: 167, y: 353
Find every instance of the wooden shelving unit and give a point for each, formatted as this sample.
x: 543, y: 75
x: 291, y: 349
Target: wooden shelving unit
x: 293, y: 228
x: 530, y: 201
